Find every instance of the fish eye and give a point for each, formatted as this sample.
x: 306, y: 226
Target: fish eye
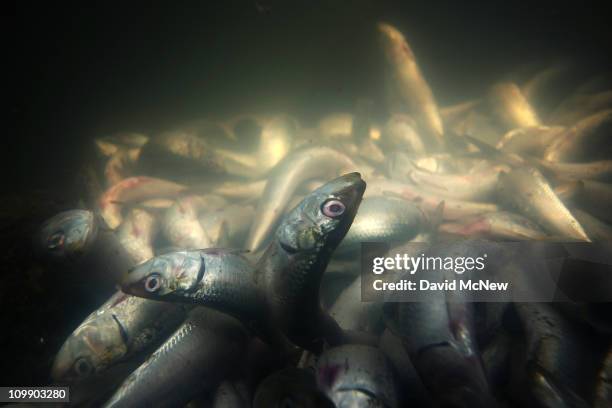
x: 333, y: 208
x: 153, y: 283
x: 83, y: 367
x: 56, y: 240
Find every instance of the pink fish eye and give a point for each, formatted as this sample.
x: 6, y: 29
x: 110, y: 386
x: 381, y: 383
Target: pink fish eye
x: 333, y: 208
x: 153, y: 283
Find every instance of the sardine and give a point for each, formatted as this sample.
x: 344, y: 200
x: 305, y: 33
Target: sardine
x: 527, y: 190
x: 556, y: 357
x: 136, y: 234
x: 532, y: 140
x: 581, y: 140
x: 130, y: 190
x: 440, y: 337
x: 497, y: 225
x: 511, y: 107
x: 480, y: 183
x: 596, y: 170
x: 383, y: 219
x: 199, y: 354
x: 290, y: 387
x: 120, y: 328
x: 429, y: 201
x: 411, y: 84
x: 79, y: 240
x: 287, y: 176
x: 293, y: 264
x: 180, y: 222
x: 357, y: 376
x: 217, y: 278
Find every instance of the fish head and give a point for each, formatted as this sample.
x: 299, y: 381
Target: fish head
x: 323, y: 217
x: 67, y: 235
x: 165, y: 276
x: 95, y: 345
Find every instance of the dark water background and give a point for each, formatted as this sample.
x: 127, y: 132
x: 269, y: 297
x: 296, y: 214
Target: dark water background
x: 80, y: 70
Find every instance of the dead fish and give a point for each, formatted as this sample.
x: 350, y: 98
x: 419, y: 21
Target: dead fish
x: 429, y: 201
x: 180, y: 223
x: 119, y: 329
x: 222, y: 279
x: 199, y: 354
x: 479, y: 183
x: 357, y: 376
x: 556, y: 357
x: 383, y: 219
x: 136, y: 234
x: 511, y: 107
x: 133, y: 189
x: 411, y: 84
x: 440, y: 337
x: 497, y: 225
x: 532, y: 140
x: 290, y: 387
x: 292, y: 266
x: 596, y: 170
x: 528, y: 191
x: 580, y: 140
x: 287, y: 176
x: 79, y: 241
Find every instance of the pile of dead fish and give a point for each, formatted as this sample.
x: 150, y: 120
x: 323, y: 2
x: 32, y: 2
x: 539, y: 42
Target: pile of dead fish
x: 236, y: 245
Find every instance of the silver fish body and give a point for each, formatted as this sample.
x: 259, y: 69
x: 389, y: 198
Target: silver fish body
x: 197, y: 355
x: 122, y: 327
x: 355, y: 376
x: 527, y: 190
x: 383, y: 219
x: 293, y: 264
